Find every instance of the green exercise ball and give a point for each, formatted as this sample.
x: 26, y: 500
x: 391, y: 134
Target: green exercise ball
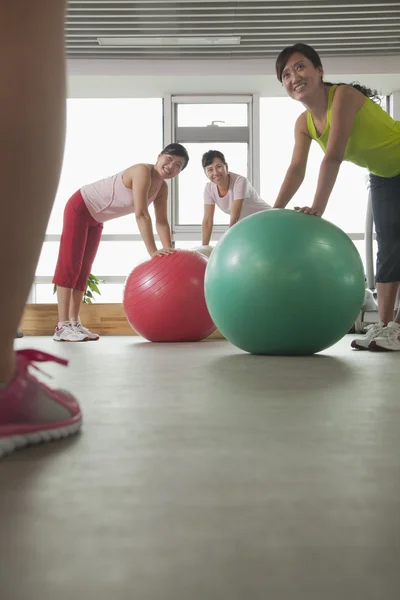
x: 284, y: 283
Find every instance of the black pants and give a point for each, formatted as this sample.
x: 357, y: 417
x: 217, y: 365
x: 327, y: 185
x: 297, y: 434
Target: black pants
x: 385, y: 199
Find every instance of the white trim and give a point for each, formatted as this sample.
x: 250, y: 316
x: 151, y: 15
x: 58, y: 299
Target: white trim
x: 46, y: 279
x: 185, y: 233
x: 32, y: 296
x: 200, y: 135
x: 174, y: 183
x: 128, y: 237
x: 106, y: 237
x: 168, y: 138
x: 189, y: 229
x: 195, y: 235
x: 217, y: 99
x: 167, y: 120
x: 395, y: 105
x: 254, y: 147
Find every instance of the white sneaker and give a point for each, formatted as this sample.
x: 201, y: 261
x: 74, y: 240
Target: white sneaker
x: 79, y: 328
x: 67, y: 333
x: 373, y: 331
x: 389, y: 339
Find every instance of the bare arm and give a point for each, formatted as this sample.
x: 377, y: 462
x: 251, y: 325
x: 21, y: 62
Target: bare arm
x: 345, y: 105
x: 297, y: 168
x: 207, y: 224
x: 141, y: 180
x: 161, y: 212
x: 236, y: 212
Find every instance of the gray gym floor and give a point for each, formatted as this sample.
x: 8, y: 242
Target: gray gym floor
x: 204, y: 473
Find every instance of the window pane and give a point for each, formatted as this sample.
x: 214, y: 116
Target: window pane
x: 192, y: 180
x: 104, y: 136
x: 202, y: 115
x: 44, y: 293
x: 110, y: 292
x: 119, y: 258
x: 48, y: 259
x: 348, y: 202
x: 113, y: 258
x: 185, y: 245
x: 360, y: 245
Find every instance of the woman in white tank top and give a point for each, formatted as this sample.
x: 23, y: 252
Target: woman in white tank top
x: 129, y: 191
x: 232, y: 193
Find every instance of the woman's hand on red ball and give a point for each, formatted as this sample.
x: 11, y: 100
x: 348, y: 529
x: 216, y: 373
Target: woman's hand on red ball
x: 162, y: 252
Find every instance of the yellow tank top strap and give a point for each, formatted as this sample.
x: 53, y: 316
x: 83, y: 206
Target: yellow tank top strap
x: 310, y: 123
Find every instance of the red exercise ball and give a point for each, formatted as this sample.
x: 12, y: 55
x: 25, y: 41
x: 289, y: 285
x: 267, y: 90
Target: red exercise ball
x: 164, y: 298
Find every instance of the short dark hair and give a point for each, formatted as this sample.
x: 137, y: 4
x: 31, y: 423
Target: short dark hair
x: 209, y: 156
x: 313, y: 57
x: 177, y: 150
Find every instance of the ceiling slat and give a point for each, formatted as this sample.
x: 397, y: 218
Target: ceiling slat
x: 337, y: 27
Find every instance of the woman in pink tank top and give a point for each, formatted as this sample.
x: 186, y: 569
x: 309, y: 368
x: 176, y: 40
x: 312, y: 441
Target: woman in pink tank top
x: 129, y: 191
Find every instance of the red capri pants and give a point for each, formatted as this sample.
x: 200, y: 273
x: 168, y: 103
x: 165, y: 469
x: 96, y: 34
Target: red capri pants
x: 79, y: 243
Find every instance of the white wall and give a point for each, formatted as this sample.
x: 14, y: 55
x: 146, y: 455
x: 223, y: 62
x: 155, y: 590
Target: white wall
x: 151, y: 78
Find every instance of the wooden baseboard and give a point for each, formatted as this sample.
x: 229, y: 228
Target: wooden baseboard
x: 103, y: 318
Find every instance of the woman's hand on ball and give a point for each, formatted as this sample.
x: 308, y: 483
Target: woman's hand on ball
x: 162, y: 252
x: 309, y: 210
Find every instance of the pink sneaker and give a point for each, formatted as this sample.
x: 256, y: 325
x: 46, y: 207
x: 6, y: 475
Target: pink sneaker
x: 31, y: 412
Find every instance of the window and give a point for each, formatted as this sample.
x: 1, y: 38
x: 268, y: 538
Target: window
x: 192, y: 180
x: 119, y: 258
x: 189, y: 245
x: 360, y: 245
x: 44, y: 293
x: 110, y: 292
x: 113, y: 258
x: 105, y: 135
x: 202, y: 124
x: 205, y: 115
x: 348, y: 202
x: 48, y: 259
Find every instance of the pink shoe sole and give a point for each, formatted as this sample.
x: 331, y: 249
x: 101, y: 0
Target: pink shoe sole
x: 11, y: 443
x: 20, y: 407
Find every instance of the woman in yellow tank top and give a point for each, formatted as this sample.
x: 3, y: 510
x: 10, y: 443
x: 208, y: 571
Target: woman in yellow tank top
x: 348, y: 125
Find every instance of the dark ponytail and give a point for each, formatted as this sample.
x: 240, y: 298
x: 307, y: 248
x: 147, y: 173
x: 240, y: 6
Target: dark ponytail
x: 373, y: 94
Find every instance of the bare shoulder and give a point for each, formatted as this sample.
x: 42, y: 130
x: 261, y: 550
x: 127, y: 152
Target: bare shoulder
x: 140, y: 171
x: 347, y: 95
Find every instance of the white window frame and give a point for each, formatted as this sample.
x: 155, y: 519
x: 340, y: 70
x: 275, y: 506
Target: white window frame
x: 249, y: 134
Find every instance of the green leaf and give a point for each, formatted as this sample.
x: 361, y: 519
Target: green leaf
x: 54, y: 289
x: 91, y: 285
x: 88, y: 294
x: 94, y: 288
